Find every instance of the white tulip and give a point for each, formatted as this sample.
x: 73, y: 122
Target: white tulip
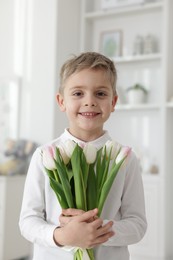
x: 48, y: 155
x: 113, y: 147
x: 90, y: 152
x: 63, y: 154
x: 69, y: 147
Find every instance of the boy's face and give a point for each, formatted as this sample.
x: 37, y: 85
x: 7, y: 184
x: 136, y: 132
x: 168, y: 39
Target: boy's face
x: 88, y: 101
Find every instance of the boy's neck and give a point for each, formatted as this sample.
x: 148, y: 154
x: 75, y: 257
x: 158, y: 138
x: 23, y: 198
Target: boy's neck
x: 86, y: 136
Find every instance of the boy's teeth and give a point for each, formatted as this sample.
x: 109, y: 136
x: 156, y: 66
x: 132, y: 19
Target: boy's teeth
x: 88, y: 114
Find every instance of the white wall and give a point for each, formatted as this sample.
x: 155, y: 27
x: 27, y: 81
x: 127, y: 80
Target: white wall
x: 6, y: 37
x: 68, y: 42
x: 37, y: 107
x: 36, y: 37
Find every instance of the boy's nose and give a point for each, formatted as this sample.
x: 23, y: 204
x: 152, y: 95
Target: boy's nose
x: 92, y: 105
x: 90, y: 101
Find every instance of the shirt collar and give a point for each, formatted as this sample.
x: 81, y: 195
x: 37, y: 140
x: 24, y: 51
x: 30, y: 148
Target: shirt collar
x: 99, y: 142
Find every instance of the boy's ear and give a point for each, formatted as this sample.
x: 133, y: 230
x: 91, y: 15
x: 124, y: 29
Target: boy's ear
x: 114, y: 101
x: 60, y: 101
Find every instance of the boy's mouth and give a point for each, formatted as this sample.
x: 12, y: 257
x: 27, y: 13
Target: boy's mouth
x: 89, y: 114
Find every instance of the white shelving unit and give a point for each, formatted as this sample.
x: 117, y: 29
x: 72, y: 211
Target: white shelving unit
x: 146, y: 127
x: 12, y: 244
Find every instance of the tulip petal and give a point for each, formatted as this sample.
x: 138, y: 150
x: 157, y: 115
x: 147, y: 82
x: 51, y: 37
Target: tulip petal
x: 69, y: 147
x: 63, y: 154
x: 123, y: 153
x: 90, y: 153
x: 48, y: 158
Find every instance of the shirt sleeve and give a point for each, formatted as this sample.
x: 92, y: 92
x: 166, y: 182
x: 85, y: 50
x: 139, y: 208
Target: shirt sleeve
x: 132, y: 225
x: 32, y: 222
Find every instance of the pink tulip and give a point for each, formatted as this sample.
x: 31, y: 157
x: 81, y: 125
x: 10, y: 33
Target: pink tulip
x: 124, y: 152
x: 48, y: 155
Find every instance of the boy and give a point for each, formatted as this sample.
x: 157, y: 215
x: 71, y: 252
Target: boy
x: 87, y: 95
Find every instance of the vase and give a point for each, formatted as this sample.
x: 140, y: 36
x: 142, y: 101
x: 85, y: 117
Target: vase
x: 136, y: 96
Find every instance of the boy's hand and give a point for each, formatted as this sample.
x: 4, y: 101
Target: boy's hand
x: 78, y: 232
x: 69, y: 215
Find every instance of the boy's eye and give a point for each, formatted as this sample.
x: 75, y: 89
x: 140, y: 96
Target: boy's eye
x: 101, y: 94
x: 77, y: 93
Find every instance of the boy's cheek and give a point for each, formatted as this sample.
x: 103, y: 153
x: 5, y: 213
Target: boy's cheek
x: 62, y: 107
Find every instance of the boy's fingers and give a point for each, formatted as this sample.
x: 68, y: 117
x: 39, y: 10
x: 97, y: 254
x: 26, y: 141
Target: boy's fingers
x: 72, y: 212
x: 104, y: 238
x: 105, y: 229
x: 97, y: 223
x: 88, y: 215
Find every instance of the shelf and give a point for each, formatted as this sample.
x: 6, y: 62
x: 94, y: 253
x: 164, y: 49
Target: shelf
x: 146, y: 127
x: 138, y: 58
x: 128, y: 107
x: 150, y: 178
x: 123, y: 10
x: 169, y: 105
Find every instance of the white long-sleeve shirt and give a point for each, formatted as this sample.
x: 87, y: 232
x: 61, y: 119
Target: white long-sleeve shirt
x: 124, y: 206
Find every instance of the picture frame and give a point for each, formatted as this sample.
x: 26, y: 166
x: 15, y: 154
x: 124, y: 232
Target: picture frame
x: 111, y: 43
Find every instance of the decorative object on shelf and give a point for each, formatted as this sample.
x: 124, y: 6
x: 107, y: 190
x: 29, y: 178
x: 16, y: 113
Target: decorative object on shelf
x: 17, y: 156
x: 148, y: 165
x: 111, y: 43
x: 149, y: 44
x: 138, y: 46
x: 154, y: 169
x: 145, y: 44
x: 136, y: 94
x: 106, y: 4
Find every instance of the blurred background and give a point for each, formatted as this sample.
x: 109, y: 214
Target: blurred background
x: 36, y: 37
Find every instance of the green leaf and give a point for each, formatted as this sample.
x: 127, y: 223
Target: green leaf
x: 104, y: 175
x: 58, y: 156
x: 85, y: 169
x: 106, y: 162
x: 91, y: 189
x: 90, y: 253
x: 107, y: 185
x: 60, y: 162
x: 65, y: 184
x: 80, y: 192
x: 73, y: 190
x: 50, y: 173
x: 57, y: 188
x: 69, y: 171
x: 99, y: 168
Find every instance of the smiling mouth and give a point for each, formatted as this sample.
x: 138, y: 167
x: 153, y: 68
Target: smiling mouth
x: 89, y: 114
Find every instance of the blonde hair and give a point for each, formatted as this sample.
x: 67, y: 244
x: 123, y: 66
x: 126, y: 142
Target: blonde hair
x: 88, y: 60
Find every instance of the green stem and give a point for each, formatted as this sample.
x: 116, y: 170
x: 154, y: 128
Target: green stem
x: 79, y: 254
x: 91, y: 254
x: 55, y: 175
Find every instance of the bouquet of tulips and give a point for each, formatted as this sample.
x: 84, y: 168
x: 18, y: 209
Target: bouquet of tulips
x: 81, y: 177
